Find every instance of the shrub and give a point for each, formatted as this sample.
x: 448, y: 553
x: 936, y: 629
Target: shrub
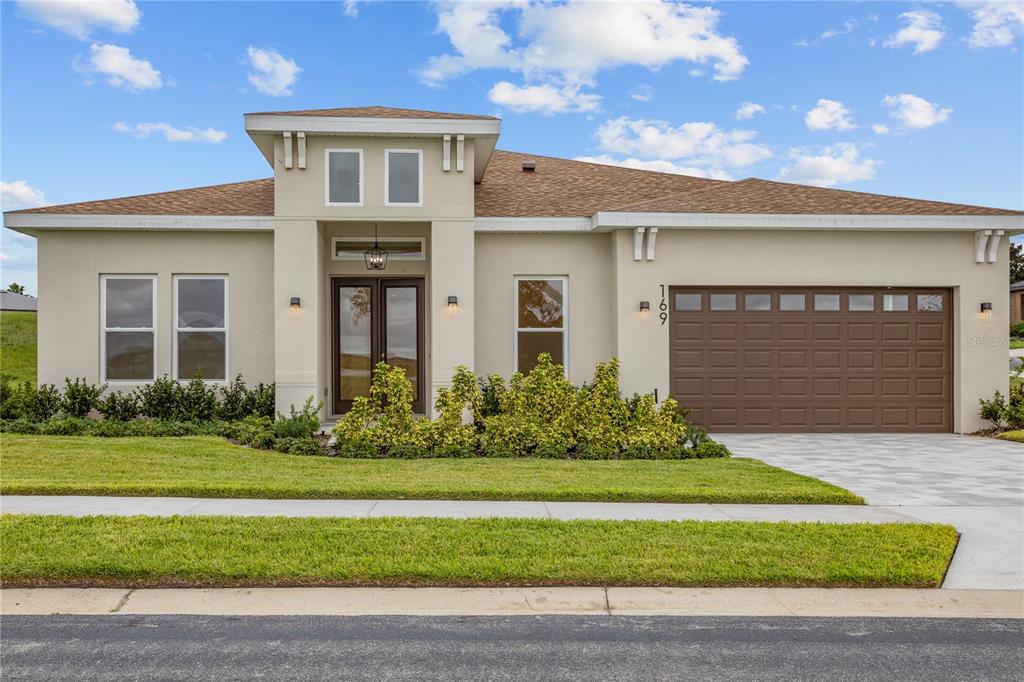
x: 20, y: 425
x: 302, y: 424
x: 118, y: 406
x: 1017, y: 329
x: 80, y: 397
x: 448, y: 435
x: 408, y: 451
x: 384, y: 419
x: 195, y: 401
x: 506, y: 435
x: 65, y: 426
x: 159, y: 399
x: 10, y: 397
x: 994, y: 410
x: 299, y: 446
x: 263, y: 401
x: 654, y: 428
x: 710, y: 449
x: 357, y: 449
x: 491, y: 391
x: 601, y: 414
x: 256, y: 432
x: 39, y: 404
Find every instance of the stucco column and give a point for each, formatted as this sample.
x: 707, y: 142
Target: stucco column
x: 298, y: 336
x: 452, y: 258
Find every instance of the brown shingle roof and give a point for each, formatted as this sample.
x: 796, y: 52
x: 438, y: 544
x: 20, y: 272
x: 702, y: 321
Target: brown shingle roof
x: 372, y: 112
x: 560, y: 187
x: 255, y: 197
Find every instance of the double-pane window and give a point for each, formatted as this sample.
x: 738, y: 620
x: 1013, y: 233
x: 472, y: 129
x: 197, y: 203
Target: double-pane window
x: 540, y: 320
x: 129, y: 327
x: 201, y: 327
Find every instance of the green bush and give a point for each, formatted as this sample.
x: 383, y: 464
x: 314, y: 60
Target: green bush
x: 1017, y: 329
x: 118, y: 406
x: 39, y: 404
x: 301, y: 424
x: 195, y: 401
x: 357, y: 449
x: 65, y: 426
x: 10, y: 398
x: 238, y: 401
x: 408, y: 451
x: 263, y: 400
x: 491, y: 390
x: 994, y: 410
x: 80, y: 397
x: 299, y: 446
x: 20, y: 425
x: 159, y: 400
x: 710, y: 449
x: 256, y: 432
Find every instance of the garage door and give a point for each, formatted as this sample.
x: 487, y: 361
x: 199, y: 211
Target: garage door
x: 802, y: 359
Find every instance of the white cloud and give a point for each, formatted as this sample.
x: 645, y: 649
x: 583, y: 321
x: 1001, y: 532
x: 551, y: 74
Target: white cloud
x: 78, y: 17
x: 122, y: 70
x: 748, y: 110
x: 689, y: 146
x: 997, y: 23
x: 849, y: 26
x: 829, y: 114
x: 642, y: 93
x: 915, y: 112
x: 565, y: 45
x: 880, y: 129
x: 659, y: 165
x: 350, y: 8
x: 829, y: 166
x: 923, y: 30
x: 272, y: 74
x: 545, y: 98
x: 170, y: 133
x: 20, y: 194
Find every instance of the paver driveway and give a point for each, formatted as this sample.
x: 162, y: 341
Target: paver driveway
x: 975, y: 484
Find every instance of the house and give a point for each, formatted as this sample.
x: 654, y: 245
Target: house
x: 10, y: 300
x: 1017, y: 302
x: 405, y: 236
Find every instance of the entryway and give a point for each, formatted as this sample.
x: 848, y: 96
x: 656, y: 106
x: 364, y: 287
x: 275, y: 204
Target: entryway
x: 375, y: 319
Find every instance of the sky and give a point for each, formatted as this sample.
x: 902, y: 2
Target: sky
x: 113, y: 98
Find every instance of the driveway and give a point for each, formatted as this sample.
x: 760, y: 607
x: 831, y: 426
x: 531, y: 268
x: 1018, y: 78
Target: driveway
x: 975, y: 484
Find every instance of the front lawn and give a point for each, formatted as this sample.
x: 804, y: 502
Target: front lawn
x: 213, y: 467
x: 1016, y: 343
x: 18, y: 345
x: 226, y: 551
x: 1016, y: 436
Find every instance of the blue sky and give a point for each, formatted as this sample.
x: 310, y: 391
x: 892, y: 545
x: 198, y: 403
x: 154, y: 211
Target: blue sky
x: 114, y: 98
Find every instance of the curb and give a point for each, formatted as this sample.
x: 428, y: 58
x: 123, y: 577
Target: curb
x: 611, y: 601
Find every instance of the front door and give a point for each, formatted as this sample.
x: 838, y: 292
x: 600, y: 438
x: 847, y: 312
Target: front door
x: 375, y: 320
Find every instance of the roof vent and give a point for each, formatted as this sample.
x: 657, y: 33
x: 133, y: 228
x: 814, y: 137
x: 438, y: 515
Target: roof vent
x: 529, y: 166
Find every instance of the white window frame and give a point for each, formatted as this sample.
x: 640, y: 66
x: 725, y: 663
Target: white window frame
x: 387, y: 177
x: 422, y: 255
x: 327, y: 178
x: 177, y: 329
x: 564, y: 279
x: 104, y: 329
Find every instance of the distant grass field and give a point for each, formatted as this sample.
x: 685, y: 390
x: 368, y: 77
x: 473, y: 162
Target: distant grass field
x: 18, y: 345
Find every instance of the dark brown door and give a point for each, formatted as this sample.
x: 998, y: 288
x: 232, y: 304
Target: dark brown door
x: 813, y: 359
x: 375, y: 320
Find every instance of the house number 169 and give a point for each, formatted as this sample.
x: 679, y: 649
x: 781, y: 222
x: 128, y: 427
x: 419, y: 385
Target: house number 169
x: 663, y: 307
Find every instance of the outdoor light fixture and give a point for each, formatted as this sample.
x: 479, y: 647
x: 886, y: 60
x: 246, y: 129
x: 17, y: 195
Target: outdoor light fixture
x: 453, y: 302
x: 376, y: 258
x: 296, y: 303
x: 986, y: 307
x: 645, y: 307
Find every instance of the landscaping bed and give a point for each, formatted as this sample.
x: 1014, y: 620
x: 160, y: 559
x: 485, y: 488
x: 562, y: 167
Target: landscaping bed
x: 225, y: 551
x: 205, y: 466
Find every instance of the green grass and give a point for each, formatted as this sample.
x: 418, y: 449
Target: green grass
x: 213, y: 467
x: 226, y: 551
x: 18, y: 345
x: 1016, y: 343
x: 1016, y: 436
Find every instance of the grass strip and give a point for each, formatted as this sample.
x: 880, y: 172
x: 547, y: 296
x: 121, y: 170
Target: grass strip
x: 212, y: 467
x: 243, y: 551
x: 1016, y: 436
x: 18, y: 344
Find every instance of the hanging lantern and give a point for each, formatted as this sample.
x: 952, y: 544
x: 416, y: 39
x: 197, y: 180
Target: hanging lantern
x: 376, y: 258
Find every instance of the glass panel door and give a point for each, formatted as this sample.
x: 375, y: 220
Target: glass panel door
x: 355, y: 342
x: 401, y: 330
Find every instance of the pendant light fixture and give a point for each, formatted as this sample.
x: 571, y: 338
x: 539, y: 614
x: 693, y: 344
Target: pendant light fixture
x: 376, y: 258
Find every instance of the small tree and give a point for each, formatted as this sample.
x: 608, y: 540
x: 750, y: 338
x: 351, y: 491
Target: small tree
x: 16, y: 288
x: 1016, y: 262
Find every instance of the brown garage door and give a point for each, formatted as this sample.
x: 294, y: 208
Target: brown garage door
x: 802, y: 359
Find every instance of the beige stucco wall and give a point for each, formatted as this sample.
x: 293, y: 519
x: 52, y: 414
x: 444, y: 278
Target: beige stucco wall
x: 585, y: 259
x: 777, y: 258
x: 301, y: 193
x: 70, y: 265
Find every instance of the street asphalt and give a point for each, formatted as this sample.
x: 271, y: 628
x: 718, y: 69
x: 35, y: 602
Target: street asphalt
x: 508, y: 648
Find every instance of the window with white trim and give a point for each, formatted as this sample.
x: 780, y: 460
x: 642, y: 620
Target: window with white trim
x: 540, y: 305
x: 128, y: 317
x: 403, y: 177
x: 344, y: 181
x: 201, y: 327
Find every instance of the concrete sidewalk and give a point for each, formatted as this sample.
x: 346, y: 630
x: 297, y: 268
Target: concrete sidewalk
x: 532, y: 601
x: 989, y: 555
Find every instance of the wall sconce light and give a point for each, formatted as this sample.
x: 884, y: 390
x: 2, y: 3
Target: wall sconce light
x: 296, y: 303
x: 453, y: 302
x: 645, y: 307
x: 986, y: 307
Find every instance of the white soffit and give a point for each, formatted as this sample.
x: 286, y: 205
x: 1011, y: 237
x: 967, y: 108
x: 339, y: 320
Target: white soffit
x: 30, y: 222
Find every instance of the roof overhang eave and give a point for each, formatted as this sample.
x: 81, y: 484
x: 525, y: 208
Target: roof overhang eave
x: 33, y: 223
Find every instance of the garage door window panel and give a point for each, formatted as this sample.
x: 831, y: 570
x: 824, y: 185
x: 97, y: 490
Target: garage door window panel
x: 723, y: 302
x: 826, y: 302
x: 757, y: 302
x: 929, y: 303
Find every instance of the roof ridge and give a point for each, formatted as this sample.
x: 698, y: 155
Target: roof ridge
x: 37, y: 209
